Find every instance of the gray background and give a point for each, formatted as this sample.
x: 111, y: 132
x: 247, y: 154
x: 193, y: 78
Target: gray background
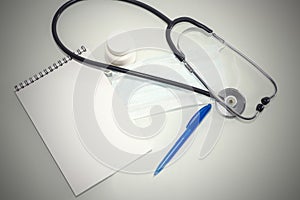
x: 251, y: 161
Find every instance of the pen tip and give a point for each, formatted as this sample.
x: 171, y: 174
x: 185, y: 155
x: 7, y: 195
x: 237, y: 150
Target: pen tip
x: 155, y: 173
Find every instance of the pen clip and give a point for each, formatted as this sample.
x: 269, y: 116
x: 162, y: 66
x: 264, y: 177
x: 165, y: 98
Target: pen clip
x: 198, y: 117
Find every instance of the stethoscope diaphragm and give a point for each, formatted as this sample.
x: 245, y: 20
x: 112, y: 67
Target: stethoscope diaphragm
x: 233, y: 98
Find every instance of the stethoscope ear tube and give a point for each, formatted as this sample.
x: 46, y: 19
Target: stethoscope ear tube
x: 265, y: 100
x: 181, y: 57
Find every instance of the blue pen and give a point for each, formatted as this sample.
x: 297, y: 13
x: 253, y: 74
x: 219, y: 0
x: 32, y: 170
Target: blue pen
x: 192, y: 125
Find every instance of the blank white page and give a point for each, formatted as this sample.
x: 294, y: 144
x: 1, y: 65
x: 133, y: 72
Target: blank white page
x: 49, y: 104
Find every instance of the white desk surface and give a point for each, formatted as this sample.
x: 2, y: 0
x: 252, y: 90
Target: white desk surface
x: 251, y: 161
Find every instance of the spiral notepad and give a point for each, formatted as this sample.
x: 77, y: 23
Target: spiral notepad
x: 47, y: 98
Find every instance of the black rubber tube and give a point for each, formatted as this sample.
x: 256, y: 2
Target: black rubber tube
x: 112, y: 67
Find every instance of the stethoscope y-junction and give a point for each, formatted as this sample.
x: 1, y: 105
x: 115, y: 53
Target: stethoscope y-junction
x: 223, y: 98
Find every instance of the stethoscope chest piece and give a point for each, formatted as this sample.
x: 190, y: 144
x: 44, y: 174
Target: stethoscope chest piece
x: 233, y: 98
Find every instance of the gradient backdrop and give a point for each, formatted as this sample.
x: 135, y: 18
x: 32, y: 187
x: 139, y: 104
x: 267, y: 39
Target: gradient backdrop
x: 257, y: 161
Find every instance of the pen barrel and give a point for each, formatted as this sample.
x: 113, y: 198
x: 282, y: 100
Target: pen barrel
x: 176, y: 147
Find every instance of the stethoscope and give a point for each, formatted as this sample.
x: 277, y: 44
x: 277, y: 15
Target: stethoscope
x: 220, y: 97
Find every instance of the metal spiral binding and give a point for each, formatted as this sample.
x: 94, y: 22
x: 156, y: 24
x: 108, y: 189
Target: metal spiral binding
x: 48, y: 70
